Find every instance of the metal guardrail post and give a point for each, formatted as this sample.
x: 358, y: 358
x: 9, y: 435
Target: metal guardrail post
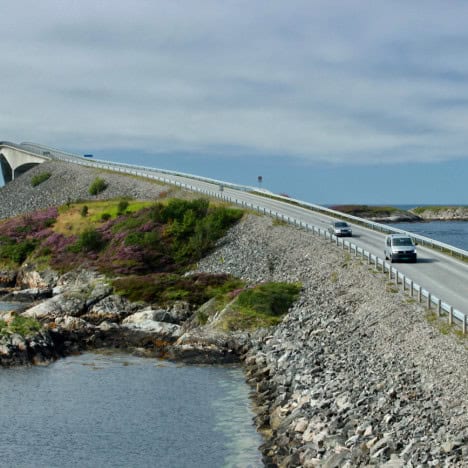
x: 428, y: 300
x: 464, y: 325
x: 450, y: 317
x: 411, y: 288
x: 439, y: 307
x: 419, y: 294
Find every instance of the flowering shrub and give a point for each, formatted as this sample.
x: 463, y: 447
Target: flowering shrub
x: 20, y: 236
x: 160, y: 239
x: 21, y: 227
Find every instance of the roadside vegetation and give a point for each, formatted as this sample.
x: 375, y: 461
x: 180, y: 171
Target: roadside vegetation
x: 97, y: 186
x: 39, y: 178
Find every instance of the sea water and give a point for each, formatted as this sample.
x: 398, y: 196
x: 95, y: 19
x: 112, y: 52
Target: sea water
x: 118, y: 410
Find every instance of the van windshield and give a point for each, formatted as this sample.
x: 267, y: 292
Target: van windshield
x: 402, y: 241
x: 341, y: 224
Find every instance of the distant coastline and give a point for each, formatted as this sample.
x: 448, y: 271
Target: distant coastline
x: 405, y: 213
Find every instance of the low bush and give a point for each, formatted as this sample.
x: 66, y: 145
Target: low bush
x: 88, y: 241
x: 39, y: 178
x: 122, y: 207
x: 106, y: 216
x: 97, y: 186
x: 16, y: 252
x: 84, y: 211
x: 165, y: 288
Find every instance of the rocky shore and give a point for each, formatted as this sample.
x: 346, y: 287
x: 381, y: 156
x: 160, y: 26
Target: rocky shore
x: 355, y: 375
x: 442, y: 213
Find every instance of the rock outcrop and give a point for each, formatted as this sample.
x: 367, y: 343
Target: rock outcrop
x: 447, y: 213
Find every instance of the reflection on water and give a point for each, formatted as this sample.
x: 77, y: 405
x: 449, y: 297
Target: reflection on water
x: 119, y: 411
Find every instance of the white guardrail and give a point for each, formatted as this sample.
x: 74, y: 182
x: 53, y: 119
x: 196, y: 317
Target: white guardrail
x: 455, y: 316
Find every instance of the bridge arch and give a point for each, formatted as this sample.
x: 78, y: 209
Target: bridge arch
x: 15, y: 162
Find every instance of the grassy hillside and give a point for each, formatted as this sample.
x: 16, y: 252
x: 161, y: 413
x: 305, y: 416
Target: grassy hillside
x: 147, y: 247
x: 117, y: 237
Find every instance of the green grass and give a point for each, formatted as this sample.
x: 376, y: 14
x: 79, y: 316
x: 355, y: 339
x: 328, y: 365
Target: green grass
x: 279, y: 222
x: 441, y: 324
x: 24, y: 326
x: 39, y: 178
x: 165, y: 288
x: 262, y: 306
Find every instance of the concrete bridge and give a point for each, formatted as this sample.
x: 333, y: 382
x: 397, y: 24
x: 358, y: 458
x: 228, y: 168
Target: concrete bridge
x: 16, y: 159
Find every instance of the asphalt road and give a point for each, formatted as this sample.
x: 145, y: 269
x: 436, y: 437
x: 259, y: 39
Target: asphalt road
x: 442, y: 275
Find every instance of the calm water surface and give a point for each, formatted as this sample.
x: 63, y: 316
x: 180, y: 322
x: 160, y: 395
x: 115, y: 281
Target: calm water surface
x: 118, y: 410
x: 451, y: 232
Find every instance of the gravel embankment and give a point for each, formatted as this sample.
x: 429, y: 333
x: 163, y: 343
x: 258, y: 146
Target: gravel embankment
x: 68, y: 183
x: 355, y: 374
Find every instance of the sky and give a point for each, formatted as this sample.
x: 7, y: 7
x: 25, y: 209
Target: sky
x: 356, y: 101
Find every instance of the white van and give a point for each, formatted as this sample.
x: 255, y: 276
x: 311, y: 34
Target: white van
x: 400, y: 247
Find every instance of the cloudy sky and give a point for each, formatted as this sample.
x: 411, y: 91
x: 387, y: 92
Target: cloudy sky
x: 331, y: 101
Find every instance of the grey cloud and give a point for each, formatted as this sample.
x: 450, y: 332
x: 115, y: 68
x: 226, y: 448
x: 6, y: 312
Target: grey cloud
x: 316, y: 80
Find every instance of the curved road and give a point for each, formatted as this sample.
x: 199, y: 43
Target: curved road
x: 442, y: 275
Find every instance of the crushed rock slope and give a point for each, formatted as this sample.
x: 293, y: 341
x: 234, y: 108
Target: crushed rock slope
x: 68, y: 183
x: 357, y: 374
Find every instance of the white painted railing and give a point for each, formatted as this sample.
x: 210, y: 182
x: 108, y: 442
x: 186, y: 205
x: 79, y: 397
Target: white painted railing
x: 431, y: 301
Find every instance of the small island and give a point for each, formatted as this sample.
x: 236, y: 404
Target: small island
x: 441, y: 213
x: 378, y: 214
x: 390, y: 214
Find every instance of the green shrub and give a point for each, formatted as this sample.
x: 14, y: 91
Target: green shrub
x: 122, y: 207
x: 17, y: 252
x: 106, y: 216
x: 143, y: 239
x: 39, y: 178
x: 84, y: 211
x: 88, y: 241
x: 97, y: 186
